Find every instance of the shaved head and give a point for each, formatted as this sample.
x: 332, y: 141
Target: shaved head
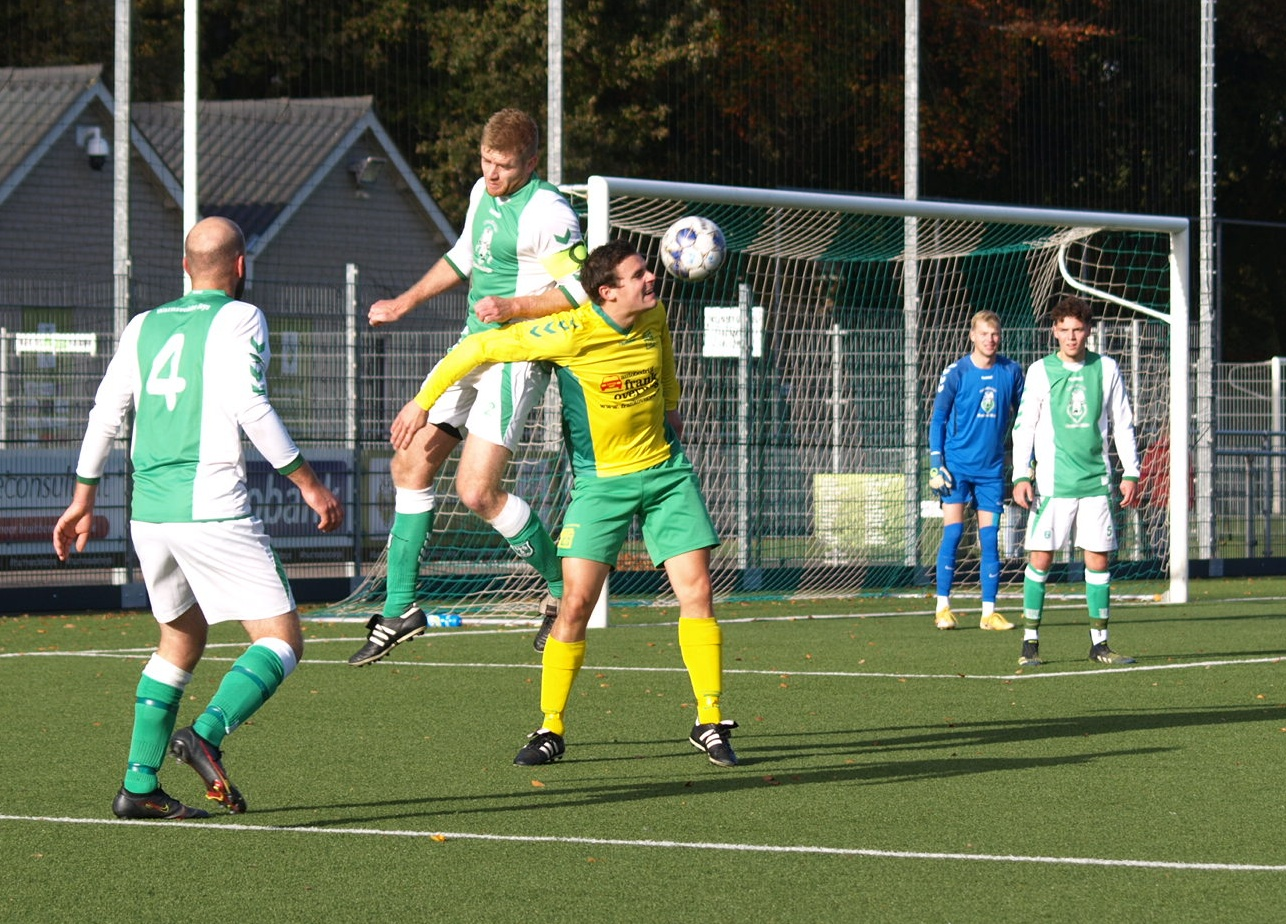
x: 212, y: 255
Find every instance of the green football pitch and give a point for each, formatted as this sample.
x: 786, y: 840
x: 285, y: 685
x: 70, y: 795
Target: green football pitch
x: 890, y: 772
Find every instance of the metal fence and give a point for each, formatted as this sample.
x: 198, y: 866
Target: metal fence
x: 814, y: 429
x: 1250, y: 460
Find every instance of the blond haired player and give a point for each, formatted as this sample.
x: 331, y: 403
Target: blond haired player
x: 518, y: 253
x: 615, y: 368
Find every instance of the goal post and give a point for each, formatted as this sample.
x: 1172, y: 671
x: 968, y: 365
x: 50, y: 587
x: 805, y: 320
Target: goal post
x: 826, y: 273
x: 808, y: 365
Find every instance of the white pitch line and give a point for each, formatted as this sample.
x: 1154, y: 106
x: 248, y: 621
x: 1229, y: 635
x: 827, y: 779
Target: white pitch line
x: 135, y: 653
x: 677, y: 845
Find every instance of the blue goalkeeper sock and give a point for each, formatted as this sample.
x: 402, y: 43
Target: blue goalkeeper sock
x: 947, y: 553
x: 989, y: 540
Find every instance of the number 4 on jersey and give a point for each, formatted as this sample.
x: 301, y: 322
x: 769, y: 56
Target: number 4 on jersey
x: 164, y: 380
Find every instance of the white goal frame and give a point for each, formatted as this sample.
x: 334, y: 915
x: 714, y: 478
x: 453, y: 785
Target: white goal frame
x: 599, y: 191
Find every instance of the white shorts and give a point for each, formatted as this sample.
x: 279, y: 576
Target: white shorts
x: 227, y: 566
x: 1055, y: 518
x: 492, y: 402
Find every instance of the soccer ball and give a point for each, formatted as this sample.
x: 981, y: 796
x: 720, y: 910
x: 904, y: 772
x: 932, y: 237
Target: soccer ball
x: 692, y: 248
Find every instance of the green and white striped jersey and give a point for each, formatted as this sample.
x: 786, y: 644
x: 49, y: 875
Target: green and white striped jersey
x: 1063, y: 422
x: 195, y: 372
x: 516, y: 245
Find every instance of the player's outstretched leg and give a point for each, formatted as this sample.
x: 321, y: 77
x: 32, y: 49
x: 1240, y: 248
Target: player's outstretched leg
x: 401, y: 619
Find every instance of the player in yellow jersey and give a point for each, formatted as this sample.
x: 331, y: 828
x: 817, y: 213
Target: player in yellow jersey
x: 615, y: 368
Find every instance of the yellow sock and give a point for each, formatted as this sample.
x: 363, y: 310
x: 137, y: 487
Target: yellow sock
x: 701, y: 641
x: 559, y: 667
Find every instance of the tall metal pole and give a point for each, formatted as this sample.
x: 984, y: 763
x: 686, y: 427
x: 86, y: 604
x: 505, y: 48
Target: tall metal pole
x: 120, y: 172
x: 911, y: 278
x: 191, y: 57
x: 554, y: 117
x: 1204, y: 397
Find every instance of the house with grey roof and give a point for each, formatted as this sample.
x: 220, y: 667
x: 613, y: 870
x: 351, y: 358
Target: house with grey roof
x: 57, y: 200
x: 316, y: 184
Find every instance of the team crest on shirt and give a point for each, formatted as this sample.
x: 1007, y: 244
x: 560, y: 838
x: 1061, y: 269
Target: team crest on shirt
x: 482, y: 250
x: 987, y: 406
x: 1077, y: 405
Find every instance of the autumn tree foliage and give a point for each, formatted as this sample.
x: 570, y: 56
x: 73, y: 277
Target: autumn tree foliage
x: 1064, y: 103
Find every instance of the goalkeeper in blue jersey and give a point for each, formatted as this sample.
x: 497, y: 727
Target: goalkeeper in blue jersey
x: 615, y: 367
x: 977, y: 397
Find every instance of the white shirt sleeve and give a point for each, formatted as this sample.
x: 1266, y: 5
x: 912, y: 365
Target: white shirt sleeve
x: 113, y: 400
x: 1122, y: 417
x: 245, y: 385
x: 460, y: 255
x: 1030, y: 408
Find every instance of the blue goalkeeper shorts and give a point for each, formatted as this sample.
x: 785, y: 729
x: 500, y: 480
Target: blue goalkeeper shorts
x: 981, y: 494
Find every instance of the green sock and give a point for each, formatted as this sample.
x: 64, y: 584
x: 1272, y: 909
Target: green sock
x: 405, y: 545
x: 1033, y: 596
x: 543, y: 556
x: 1098, y: 594
x: 246, y: 686
x: 156, y: 706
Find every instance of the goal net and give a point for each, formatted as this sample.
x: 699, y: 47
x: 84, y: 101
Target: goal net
x: 809, y: 362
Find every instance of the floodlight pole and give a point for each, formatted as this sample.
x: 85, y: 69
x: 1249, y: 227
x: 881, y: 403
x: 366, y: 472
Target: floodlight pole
x: 554, y: 89
x: 191, y: 198
x: 120, y: 171
x: 911, y: 277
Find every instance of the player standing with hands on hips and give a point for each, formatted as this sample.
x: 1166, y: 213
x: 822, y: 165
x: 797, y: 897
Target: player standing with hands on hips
x: 976, y: 399
x: 518, y: 253
x: 1072, y: 399
x: 195, y: 373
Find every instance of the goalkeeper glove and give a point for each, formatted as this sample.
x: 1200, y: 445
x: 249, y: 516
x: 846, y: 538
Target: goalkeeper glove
x: 940, y: 481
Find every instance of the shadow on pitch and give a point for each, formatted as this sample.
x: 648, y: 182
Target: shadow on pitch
x: 873, y: 756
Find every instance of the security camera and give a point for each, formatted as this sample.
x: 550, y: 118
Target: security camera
x: 90, y: 137
x: 97, y: 149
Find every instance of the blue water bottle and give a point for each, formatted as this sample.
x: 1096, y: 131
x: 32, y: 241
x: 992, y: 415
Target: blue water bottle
x: 443, y: 620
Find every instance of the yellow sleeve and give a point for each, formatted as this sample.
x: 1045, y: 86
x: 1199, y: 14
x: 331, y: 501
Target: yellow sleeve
x: 551, y: 339
x: 670, y: 388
